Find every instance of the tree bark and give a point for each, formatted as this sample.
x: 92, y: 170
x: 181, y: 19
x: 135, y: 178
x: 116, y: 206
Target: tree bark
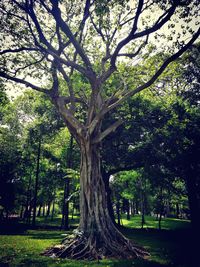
x: 96, y: 237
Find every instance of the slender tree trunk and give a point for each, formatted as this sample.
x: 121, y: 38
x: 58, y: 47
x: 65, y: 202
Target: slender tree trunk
x: 21, y: 212
x: 28, y: 199
x: 36, y: 182
x: 39, y: 210
x: 159, y: 221
x: 132, y: 208
x: 161, y: 208
x: 118, y: 212
x: 48, y: 208
x: 177, y: 210
x: 43, y: 210
x: 53, y: 209
x: 73, y: 208
x: 142, y: 205
x: 128, y: 210
x: 65, y: 215
x: 28, y: 220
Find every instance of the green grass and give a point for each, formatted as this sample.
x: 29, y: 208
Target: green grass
x: 134, y: 222
x: 167, y: 247
x: 56, y: 222
x: 152, y: 222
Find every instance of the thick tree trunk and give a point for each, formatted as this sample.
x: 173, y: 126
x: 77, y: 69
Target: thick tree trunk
x: 96, y: 236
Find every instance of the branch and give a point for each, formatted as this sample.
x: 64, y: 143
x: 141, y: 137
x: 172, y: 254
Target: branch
x: 77, y: 128
x: 109, y: 130
x: 55, y: 85
x: 131, y: 55
x: 66, y: 100
x: 57, y: 56
x: 67, y: 79
x: 132, y: 35
x: 43, y: 39
x: 65, y: 28
x: 155, y: 76
x: 18, y: 50
x: 28, y: 84
x: 27, y: 66
x: 165, y: 17
x: 130, y: 167
x: 98, y: 30
x: 86, y: 14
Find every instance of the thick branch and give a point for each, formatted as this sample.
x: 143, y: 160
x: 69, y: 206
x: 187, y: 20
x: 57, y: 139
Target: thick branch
x: 129, y: 167
x: 109, y: 130
x: 21, y: 81
x: 77, y: 128
x: 86, y: 14
x: 17, y: 50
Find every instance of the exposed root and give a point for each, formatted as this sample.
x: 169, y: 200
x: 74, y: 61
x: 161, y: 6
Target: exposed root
x: 92, y: 248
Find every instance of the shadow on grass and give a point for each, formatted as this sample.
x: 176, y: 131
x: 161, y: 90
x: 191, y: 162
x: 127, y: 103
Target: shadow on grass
x: 178, y: 247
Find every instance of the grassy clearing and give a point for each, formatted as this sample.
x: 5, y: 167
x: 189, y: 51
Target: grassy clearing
x: 134, y: 222
x: 166, y: 248
x: 152, y: 222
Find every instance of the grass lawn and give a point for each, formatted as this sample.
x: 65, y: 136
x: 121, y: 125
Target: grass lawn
x: 167, y: 247
x: 151, y: 222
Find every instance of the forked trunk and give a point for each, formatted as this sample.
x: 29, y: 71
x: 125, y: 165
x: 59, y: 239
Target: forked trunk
x: 96, y: 236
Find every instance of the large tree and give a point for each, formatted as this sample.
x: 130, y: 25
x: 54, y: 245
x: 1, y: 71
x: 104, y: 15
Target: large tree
x: 50, y: 42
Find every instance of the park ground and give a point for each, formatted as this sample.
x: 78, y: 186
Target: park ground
x: 169, y: 247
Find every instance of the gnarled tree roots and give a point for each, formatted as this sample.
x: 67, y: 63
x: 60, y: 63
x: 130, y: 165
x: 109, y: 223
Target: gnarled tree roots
x: 95, y: 247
